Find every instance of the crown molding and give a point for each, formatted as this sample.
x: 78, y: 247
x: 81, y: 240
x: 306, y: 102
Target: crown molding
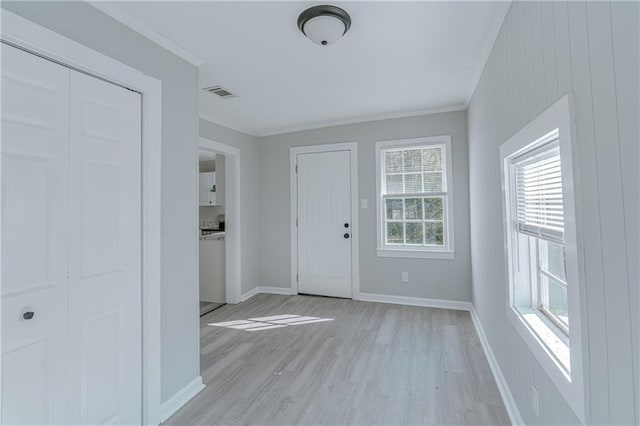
x: 127, y: 20
x: 364, y: 119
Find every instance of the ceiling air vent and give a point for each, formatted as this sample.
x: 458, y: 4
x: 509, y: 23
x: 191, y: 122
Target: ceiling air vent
x: 220, y: 91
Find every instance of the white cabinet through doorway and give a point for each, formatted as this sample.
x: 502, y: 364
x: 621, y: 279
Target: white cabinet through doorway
x: 207, y: 189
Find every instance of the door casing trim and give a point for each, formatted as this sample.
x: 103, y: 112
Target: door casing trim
x: 352, y: 147
x: 40, y: 41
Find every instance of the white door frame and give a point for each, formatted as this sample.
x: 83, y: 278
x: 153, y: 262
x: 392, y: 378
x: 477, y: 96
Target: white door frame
x: 26, y: 35
x: 352, y: 147
x: 232, y: 223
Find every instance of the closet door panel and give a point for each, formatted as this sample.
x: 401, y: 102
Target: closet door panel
x: 105, y: 253
x: 35, y: 133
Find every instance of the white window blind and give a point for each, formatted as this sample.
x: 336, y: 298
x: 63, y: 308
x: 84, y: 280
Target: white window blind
x: 539, y: 208
x: 415, y: 170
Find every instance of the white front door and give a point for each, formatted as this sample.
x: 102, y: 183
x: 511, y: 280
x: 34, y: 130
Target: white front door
x: 71, y: 246
x: 324, y: 223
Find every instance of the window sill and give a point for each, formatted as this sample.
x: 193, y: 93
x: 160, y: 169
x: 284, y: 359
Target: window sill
x: 416, y: 254
x: 549, y: 337
x: 552, y: 351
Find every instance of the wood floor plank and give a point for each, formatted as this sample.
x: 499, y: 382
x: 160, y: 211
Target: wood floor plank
x: 371, y: 364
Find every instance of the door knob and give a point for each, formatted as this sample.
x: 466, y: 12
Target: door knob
x: 28, y: 315
x: 346, y: 235
x: 346, y: 225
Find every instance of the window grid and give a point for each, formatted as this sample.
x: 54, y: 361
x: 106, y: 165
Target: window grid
x: 423, y: 220
x: 429, y: 161
x: 543, y: 299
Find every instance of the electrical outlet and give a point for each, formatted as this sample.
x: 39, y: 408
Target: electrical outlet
x: 535, y: 401
x: 405, y: 277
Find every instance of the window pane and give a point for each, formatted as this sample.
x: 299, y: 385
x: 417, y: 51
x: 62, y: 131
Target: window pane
x: 395, y: 233
x: 393, y: 161
x: 432, y: 159
x: 432, y: 181
x: 434, y: 234
x: 414, y: 232
x: 412, y: 183
x: 413, y: 160
x: 394, y: 208
x: 394, y: 184
x: 552, y: 258
x: 433, y: 208
x: 413, y: 209
x: 556, y: 300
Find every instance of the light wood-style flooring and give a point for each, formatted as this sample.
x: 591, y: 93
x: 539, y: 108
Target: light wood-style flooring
x: 372, y: 364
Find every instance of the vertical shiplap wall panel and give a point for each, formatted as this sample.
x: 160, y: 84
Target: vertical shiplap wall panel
x: 627, y: 70
x: 521, y: 71
x: 621, y: 403
x: 538, y: 56
x: 595, y: 320
x: 549, y: 52
x: 545, y: 50
x: 528, y: 54
x: 505, y: 75
x: 562, y: 47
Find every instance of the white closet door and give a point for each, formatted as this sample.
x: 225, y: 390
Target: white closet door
x: 105, y: 253
x: 35, y: 134
x: 324, y: 208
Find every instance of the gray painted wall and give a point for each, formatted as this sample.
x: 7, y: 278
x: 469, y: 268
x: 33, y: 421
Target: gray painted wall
x: 429, y: 278
x: 249, y: 198
x: 545, y: 50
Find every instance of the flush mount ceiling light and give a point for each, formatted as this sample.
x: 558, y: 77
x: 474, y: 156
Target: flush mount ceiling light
x: 324, y: 24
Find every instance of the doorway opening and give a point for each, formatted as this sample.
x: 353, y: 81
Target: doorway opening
x: 218, y: 214
x: 211, y: 220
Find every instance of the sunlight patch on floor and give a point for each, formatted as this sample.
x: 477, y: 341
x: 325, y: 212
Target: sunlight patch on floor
x: 269, y: 323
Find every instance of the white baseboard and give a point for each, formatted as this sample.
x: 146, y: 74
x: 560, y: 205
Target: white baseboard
x: 415, y: 301
x: 181, y: 397
x: 503, y: 387
x: 265, y: 290
x: 248, y: 295
x: 275, y: 290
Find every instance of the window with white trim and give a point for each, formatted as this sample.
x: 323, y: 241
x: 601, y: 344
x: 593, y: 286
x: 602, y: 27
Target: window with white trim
x: 414, y: 198
x: 542, y: 247
x: 539, y: 223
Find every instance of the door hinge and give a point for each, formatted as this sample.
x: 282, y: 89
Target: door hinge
x: 296, y: 277
x: 296, y: 168
x: 296, y: 222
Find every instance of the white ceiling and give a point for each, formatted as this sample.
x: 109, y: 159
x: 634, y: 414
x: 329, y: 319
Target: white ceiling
x: 398, y: 59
